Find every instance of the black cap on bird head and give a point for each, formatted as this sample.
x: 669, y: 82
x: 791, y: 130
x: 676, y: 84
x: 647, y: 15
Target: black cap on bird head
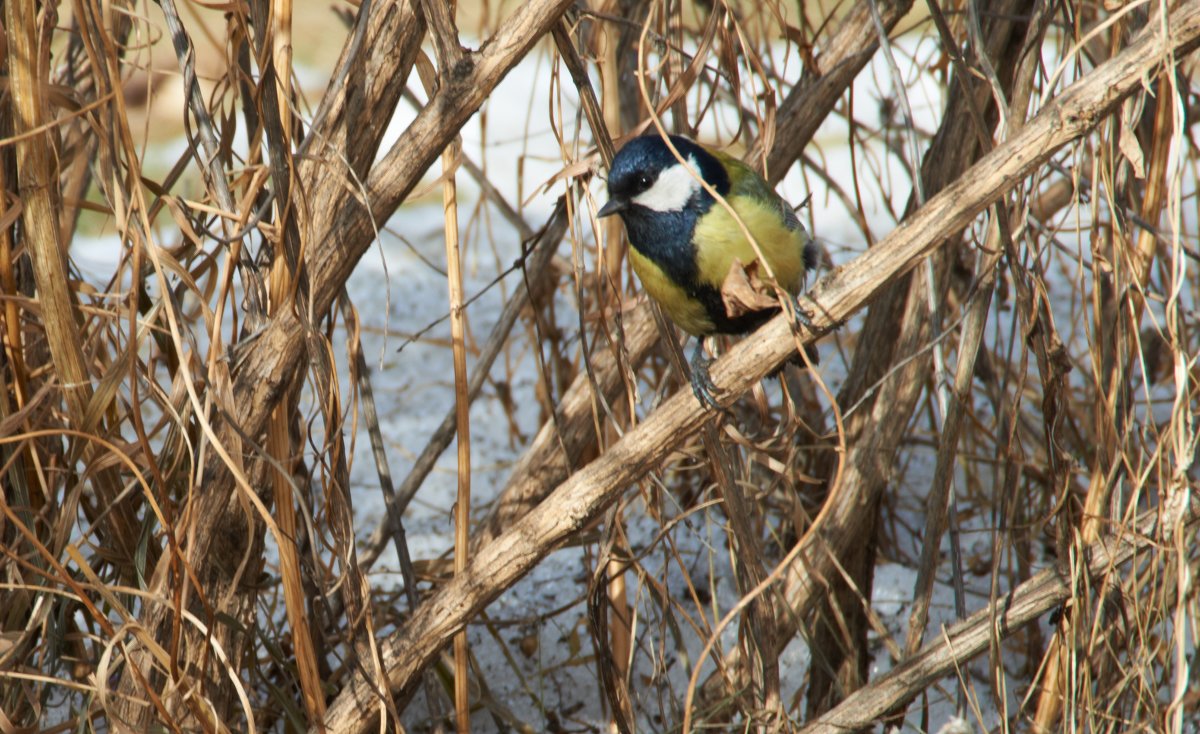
x: 645, y: 173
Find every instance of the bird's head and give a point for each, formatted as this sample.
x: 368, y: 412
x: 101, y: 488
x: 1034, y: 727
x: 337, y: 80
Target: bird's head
x: 646, y: 175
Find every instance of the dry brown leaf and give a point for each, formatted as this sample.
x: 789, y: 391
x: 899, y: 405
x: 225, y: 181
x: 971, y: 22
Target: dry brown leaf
x: 744, y: 292
x: 1127, y: 142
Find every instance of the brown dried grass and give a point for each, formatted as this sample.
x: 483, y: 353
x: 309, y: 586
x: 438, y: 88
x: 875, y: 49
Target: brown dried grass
x: 1030, y: 333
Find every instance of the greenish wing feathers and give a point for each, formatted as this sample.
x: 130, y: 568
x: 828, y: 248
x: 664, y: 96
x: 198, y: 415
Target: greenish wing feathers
x: 745, y: 182
x: 785, y: 252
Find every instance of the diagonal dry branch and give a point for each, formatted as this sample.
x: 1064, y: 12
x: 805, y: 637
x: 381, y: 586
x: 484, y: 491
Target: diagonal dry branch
x: 354, y: 111
x: 578, y: 500
x: 558, y: 447
x: 973, y: 635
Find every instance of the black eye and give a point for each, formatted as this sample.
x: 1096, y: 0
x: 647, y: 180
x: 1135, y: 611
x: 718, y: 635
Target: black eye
x: 644, y: 181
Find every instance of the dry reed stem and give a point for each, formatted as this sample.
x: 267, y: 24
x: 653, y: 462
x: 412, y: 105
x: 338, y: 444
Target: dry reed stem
x: 462, y: 505
x: 279, y: 447
x: 941, y: 498
x: 757, y: 629
x: 556, y: 452
x: 438, y: 16
x: 847, y: 51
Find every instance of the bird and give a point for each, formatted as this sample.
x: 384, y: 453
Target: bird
x: 685, y: 241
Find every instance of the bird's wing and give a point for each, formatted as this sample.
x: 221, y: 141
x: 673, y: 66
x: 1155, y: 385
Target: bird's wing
x: 744, y: 181
x: 790, y: 220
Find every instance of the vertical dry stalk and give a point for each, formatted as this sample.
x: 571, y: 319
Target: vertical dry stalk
x: 37, y: 176
x: 280, y: 446
x: 462, y: 504
x: 281, y: 451
x: 440, y: 17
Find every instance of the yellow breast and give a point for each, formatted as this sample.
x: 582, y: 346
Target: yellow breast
x: 687, y: 313
x: 719, y: 240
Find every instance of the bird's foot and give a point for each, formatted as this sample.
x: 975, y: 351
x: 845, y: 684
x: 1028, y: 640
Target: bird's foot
x: 802, y: 322
x: 702, y: 384
x: 802, y: 317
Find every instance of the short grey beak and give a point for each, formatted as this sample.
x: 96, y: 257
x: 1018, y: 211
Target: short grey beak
x: 613, y: 206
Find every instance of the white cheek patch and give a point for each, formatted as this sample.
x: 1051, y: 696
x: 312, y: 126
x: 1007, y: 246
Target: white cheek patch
x: 672, y: 190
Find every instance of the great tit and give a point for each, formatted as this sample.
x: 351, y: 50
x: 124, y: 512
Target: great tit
x: 684, y: 241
